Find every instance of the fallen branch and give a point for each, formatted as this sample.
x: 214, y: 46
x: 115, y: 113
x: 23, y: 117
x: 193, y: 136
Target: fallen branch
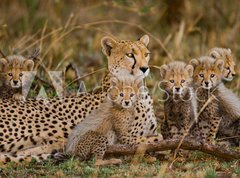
x: 187, y: 144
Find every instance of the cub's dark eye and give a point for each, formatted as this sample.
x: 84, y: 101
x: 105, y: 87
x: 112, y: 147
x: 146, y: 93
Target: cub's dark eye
x: 132, y: 94
x: 21, y: 74
x: 212, y: 75
x: 172, y: 81
x: 201, y: 75
x: 182, y: 81
x: 121, y: 94
x: 228, y: 68
x: 10, y: 74
x: 130, y: 55
x: 146, y: 54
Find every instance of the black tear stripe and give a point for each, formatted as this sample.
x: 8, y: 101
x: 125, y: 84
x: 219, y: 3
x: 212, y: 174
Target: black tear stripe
x: 134, y: 60
x: 202, y: 81
x: 211, y: 80
x: 229, y: 71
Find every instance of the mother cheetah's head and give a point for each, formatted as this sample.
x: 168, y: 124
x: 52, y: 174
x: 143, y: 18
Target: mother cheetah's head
x: 127, y: 57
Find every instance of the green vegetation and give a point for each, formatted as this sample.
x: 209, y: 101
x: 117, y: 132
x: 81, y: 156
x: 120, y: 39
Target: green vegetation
x: 70, y: 31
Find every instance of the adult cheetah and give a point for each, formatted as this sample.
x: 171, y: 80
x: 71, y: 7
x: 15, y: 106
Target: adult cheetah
x: 36, y: 129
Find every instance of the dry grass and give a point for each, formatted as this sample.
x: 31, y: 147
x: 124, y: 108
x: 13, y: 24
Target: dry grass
x: 70, y: 30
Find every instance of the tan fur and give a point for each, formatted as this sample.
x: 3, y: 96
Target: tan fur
x: 207, y: 77
x: 127, y: 57
x: 229, y: 63
x: 179, y: 102
x: 54, y: 119
x: 14, y: 75
x: 112, y: 121
x: 229, y: 101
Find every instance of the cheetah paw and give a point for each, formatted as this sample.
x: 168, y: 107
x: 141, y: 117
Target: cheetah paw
x: 19, y: 97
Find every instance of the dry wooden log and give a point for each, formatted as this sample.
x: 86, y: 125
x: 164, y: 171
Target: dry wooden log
x: 187, y: 144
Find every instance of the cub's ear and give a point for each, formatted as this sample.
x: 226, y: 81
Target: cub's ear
x: 189, y: 69
x: 219, y: 63
x: 107, y: 44
x: 28, y: 65
x: 163, y: 70
x: 214, y: 54
x: 145, y: 40
x: 194, y: 62
x: 113, y: 81
x: 3, y: 61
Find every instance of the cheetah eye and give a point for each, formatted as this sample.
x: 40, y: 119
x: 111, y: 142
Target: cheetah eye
x: 212, y: 75
x: 10, y: 74
x: 21, y: 74
x: 146, y: 54
x: 121, y: 94
x: 132, y: 94
x: 201, y: 75
x: 182, y: 81
x: 228, y: 68
x: 172, y: 81
x: 130, y: 55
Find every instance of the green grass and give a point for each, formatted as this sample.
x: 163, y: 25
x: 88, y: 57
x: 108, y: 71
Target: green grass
x: 208, y: 167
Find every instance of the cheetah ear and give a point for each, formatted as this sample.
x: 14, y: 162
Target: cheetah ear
x: 214, y: 54
x: 113, y: 81
x: 163, y: 70
x: 28, y: 65
x: 189, y: 69
x: 229, y: 50
x: 3, y: 61
x: 145, y: 40
x: 194, y: 63
x: 219, y: 63
x: 107, y: 44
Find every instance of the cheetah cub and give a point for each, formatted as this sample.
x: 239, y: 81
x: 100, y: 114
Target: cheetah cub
x: 229, y: 101
x: 109, y: 124
x: 15, y: 76
x: 229, y: 64
x: 207, y: 77
x: 179, y: 101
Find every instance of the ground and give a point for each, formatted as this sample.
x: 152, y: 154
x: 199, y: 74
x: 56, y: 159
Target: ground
x: 198, y: 165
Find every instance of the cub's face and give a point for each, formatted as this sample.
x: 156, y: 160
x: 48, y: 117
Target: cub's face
x: 127, y: 58
x: 14, y: 71
x: 176, y: 76
x: 207, y: 72
x: 124, y: 93
x: 228, y: 72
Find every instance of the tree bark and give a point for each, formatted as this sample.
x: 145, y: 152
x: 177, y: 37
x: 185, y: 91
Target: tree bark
x: 187, y: 144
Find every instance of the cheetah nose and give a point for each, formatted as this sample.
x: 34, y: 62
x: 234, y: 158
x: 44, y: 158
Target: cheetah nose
x: 206, y: 83
x: 127, y: 103
x: 233, y: 74
x: 177, y: 88
x: 15, y: 82
x: 143, y: 69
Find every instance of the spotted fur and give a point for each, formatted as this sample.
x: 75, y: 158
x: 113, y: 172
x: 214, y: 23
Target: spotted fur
x: 38, y: 126
x: 179, y: 100
x: 15, y: 76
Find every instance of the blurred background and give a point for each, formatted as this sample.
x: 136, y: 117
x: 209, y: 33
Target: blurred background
x: 70, y: 31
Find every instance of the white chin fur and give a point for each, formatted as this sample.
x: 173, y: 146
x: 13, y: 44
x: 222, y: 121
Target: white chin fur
x: 15, y: 86
x: 209, y: 87
x: 126, y: 106
x: 228, y: 79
